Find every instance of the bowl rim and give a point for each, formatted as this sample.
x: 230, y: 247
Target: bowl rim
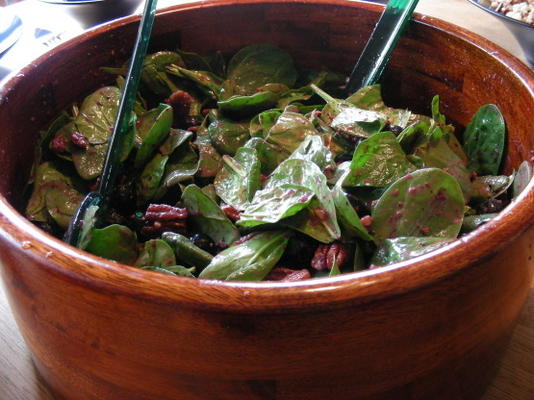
x: 501, y: 15
x: 357, y: 287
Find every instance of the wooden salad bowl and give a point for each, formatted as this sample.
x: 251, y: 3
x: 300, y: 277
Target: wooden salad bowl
x: 430, y: 328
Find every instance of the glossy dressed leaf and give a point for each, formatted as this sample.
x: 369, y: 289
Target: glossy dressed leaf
x: 148, y: 182
x: 370, y: 98
x: 524, y: 175
x: 210, y: 161
x: 405, y: 248
x: 227, y: 136
x: 239, y: 178
x: 484, y: 140
x: 258, y: 65
x: 262, y: 123
x: 182, y: 165
x: 95, y: 122
x: 426, y: 202
x: 62, y: 201
x: 207, y: 217
x: 437, y: 153
x: 313, y: 149
x: 240, y: 105
x: 204, y: 79
x: 270, y: 155
x: 46, y: 173
x: 156, y: 253
x: 378, y: 161
x: 152, y: 129
x: 347, y: 216
x: 251, y: 260
x: 489, y: 187
x: 289, y: 130
x: 186, y: 252
x: 114, y: 242
x: 472, y: 222
x: 175, y: 139
x: 290, y: 189
x: 214, y: 62
x: 154, y: 74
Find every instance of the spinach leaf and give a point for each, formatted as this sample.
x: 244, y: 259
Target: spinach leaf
x: 251, y: 260
x: 472, y: 222
x: 210, y: 161
x: 148, y: 183
x: 176, y: 270
x: 270, y: 155
x: 484, y: 140
x: 524, y: 175
x: 207, y: 217
x: 239, y: 178
x: 152, y: 129
x: 404, y: 248
x: 426, y: 202
x: 155, y: 253
x: 114, y: 242
x: 154, y: 75
x: 378, y: 161
x: 313, y: 149
x: 294, y: 186
x: 257, y: 65
x: 186, y: 252
x: 227, y: 136
x: 289, y: 130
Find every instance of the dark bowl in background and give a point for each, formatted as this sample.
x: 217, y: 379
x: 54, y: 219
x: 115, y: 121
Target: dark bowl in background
x: 430, y: 328
x: 523, y: 32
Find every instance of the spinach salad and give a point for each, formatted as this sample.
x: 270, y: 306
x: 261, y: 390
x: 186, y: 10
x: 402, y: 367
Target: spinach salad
x: 253, y: 170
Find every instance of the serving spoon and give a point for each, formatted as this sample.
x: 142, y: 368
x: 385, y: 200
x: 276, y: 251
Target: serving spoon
x: 94, y: 203
x: 380, y: 45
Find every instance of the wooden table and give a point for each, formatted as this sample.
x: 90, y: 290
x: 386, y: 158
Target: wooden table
x: 515, y: 380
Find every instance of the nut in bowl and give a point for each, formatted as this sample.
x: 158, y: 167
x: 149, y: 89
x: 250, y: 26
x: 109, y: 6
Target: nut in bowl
x: 436, y: 318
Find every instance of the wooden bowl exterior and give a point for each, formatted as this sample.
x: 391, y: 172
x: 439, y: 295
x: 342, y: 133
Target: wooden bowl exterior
x: 429, y: 329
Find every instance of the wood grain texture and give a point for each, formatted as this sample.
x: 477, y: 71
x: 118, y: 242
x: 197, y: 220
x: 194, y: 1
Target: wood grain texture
x: 429, y: 330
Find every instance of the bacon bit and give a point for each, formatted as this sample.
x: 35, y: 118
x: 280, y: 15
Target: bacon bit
x: 366, y: 220
x: 59, y: 144
x: 281, y: 274
x: 79, y: 140
x: 231, y: 212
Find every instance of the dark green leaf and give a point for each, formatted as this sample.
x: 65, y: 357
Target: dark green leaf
x: 186, y: 252
x: 378, y: 161
x: 207, y: 217
x: 405, y: 248
x: 155, y: 253
x: 251, y: 260
x: 148, y: 182
x: 484, y: 140
x: 239, y: 178
x: 114, y: 242
x: 426, y: 202
x: 152, y: 129
x: 227, y: 136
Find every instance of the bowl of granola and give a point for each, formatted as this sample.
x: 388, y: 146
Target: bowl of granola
x: 518, y: 16
x: 429, y: 327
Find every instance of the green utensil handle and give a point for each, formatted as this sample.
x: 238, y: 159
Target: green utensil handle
x: 122, y: 123
x: 379, y: 47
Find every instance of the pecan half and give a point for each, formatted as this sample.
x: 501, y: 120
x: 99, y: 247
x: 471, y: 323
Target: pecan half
x: 79, y: 140
x: 231, y: 212
x: 59, y: 144
x: 326, y: 255
x: 164, y: 218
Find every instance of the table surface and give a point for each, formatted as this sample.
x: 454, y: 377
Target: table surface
x: 515, y: 379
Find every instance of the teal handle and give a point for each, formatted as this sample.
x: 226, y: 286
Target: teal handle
x: 122, y: 123
x: 81, y: 220
x: 380, y: 45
